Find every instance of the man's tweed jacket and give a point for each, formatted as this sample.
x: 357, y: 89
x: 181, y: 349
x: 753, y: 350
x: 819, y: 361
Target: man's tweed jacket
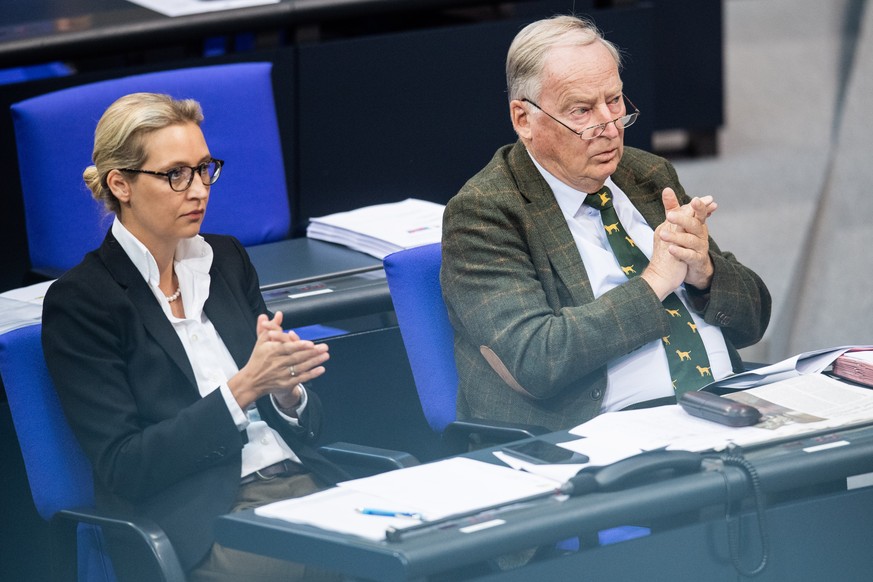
x: 531, y: 342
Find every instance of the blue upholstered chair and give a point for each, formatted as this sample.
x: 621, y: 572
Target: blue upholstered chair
x: 414, y: 283
x: 59, y: 474
x: 413, y: 280
x: 61, y: 481
x: 55, y: 136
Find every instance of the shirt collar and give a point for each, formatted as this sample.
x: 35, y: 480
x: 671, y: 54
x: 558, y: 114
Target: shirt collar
x: 195, y: 252
x: 569, y: 199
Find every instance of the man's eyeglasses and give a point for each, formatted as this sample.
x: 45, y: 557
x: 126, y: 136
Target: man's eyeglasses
x: 181, y: 178
x: 596, y: 130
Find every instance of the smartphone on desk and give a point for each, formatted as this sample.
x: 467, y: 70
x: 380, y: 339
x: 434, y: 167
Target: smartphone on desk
x: 543, y: 453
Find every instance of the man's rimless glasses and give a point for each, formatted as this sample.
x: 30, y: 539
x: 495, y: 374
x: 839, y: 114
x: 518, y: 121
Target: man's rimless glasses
x: 596, y: 130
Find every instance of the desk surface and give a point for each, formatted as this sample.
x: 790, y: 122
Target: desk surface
x: 46, y: 30
x: 313, y: 282
x: 303, y: 260
x: 781, y: 468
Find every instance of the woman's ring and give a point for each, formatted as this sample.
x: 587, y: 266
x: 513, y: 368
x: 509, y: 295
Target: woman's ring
x: 292, y: 370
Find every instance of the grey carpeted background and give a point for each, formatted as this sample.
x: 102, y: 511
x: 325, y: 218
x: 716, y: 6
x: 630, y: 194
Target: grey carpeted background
x: 794, y: 173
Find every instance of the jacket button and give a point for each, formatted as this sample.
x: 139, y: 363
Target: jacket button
x: 596, y: 394
x: 723, y: 318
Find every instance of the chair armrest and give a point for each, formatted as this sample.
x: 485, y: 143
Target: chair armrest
x: 148, y: 553
x: 460, y: 435
x: 374, y: 458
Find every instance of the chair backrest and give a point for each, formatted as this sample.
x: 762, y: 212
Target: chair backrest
x: 414, y: 282
x: 55, y: 137
x: 57, y: 470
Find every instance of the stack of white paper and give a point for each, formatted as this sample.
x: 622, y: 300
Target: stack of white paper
x: 22, y: 307
x: 382, y: 229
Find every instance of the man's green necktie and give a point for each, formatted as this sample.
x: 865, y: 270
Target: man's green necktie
x: 686, y: 354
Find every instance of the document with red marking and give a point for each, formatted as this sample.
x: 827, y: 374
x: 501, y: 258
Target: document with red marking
x: 856, y: 366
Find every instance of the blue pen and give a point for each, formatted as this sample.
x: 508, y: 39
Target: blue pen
x: 389, y: 513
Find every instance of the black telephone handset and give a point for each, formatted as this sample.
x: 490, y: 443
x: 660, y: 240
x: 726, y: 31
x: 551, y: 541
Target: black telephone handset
x: 635, y: 470
x: 719, y: 409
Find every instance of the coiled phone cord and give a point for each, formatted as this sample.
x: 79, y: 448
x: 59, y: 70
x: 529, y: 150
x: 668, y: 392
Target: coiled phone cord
x: 735, y: 458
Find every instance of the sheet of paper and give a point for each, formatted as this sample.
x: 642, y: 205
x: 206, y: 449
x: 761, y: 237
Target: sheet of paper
x: 451, y: 486
x: 812, y: 362
x: 186, y: 7
x: 650, y: 428
x: 434, y: 491
x: 337, y: 509
x: 22, y: 307
x: 30, y: 294
x: 838, y: 403
x: 15, y: 314
x: 820, y: 396
x: 559, y: 472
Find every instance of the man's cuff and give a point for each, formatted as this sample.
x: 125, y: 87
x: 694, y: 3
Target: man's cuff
x: 699, y: 298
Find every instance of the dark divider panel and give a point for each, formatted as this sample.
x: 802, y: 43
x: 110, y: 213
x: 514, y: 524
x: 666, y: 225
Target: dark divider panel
x: 399, y: 116
x: 369, y: 395
x: 24, y: 536
x: 404, y: 115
